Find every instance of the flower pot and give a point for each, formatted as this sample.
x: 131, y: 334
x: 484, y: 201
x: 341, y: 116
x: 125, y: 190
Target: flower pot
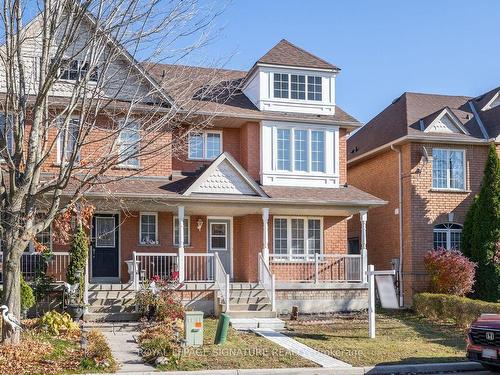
x: 75, y: 311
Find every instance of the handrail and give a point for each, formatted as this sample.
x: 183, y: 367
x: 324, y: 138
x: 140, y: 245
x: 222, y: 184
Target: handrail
x: 267, y: 279
x: 222, y: 281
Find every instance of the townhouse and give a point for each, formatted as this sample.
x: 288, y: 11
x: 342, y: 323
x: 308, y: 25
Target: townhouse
x: 425, y: 155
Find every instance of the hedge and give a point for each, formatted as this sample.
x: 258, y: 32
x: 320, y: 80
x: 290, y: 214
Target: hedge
x: 460, y: 310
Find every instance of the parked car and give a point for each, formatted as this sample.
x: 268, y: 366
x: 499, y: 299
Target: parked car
x: 483, y: 341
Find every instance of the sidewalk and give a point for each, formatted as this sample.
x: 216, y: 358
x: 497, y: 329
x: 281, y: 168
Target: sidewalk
x: 369, y: 370
x: 126, y: 352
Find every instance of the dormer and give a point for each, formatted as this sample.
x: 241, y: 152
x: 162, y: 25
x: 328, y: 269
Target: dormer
x: 442, y: 121
x: 493, y: 102
x: 290, y: 79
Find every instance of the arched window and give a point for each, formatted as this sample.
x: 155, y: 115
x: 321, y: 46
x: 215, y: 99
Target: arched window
x: 448, y: 236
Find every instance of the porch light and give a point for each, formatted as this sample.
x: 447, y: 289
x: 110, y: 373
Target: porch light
x: 199, y: 224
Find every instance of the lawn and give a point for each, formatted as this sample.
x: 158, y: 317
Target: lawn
x: 402, y: 337
x: 242, y: 350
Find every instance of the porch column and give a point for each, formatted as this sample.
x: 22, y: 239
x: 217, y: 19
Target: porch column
x: 265, y: 235
x: 180, y: 216
x: 363, y: 215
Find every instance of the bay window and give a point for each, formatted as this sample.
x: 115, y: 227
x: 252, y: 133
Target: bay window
x: 298, y: 236
x: 294, y: 86
x: 205, y: 145
x: 300, y: 150
x: 448, y: 169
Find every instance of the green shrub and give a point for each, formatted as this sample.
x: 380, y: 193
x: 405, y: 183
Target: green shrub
x: 78, y: 256
x: 56, y: 323
x: 460, y: 310
x: 27, y: 296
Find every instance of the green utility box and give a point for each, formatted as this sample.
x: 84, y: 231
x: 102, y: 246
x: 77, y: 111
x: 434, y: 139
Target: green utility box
x: 193, y: 328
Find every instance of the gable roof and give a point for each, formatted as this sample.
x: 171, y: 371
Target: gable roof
x: 403, y: 118
x: 288, y: 54
x: 225, y: 176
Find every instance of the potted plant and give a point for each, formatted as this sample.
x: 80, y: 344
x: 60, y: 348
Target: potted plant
x: 75, y: 275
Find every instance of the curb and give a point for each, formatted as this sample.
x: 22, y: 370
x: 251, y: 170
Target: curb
x: 425, y: 368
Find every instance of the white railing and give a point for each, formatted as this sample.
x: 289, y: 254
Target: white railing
x: 317, y: 268
x: 155, y: 265
x: 31, y: 264
x: 199, y: 267
x: 222, y: 281
x: 267, y: 280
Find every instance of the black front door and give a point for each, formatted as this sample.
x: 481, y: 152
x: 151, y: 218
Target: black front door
x: 104, y: 255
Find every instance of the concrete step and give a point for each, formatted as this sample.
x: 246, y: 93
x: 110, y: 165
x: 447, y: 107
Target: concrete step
x: 244, y: 293
x: 111, y: 309
x: 252, y: 314
x: 250, y: 307
x: 237, y: 285
x: 249, y: 300
x: 112, y: 326
x: 111, y: 301
x: 247, y: 324
x: 113, y: 317
x: 112, y: 294
x: 108, y: 287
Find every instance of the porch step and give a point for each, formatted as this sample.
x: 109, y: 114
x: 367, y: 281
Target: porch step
x: 109, y: 287
x: 112, y: 294
x: 237, y: 285
x: 111, y: 317
x: 249, y: 307
x: 111, y: 301
x: 247, y: 324
x: 249, y: 300
x: 111, y: 309
x: 247, y: 293
x: 252, y: 314
x: 112, y: 326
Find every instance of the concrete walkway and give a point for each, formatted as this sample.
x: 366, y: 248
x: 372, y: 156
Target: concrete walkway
x: 300, y: 349
x: 126, y: 352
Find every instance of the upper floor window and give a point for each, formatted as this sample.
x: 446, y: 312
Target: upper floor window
x: 205, y: 145
x: 7, y: 132
x: 447, y: 236
x: 67, y: 140
x: 294, y: 86
x: 300, y: 150
x: 448, y: 169
x: 148, y: 228
x: 129, y: 143
x: 297, y: 235
x: 74, y: 70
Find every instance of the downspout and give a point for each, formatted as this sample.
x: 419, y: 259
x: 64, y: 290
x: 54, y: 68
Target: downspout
x: 400, y: 214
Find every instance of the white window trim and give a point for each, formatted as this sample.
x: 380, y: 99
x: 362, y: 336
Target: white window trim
x: 155, y: 214
x: 186, y: 228
x: 448, y: 177
x: 307, y: 255
x: 225, y: 236
x: 289, y: 98
x: 80, y: 64
x: 126, y: 163
x: 205, y: 133
x: 292, y: 150
x: 59, y: 158
x: 448, y: 232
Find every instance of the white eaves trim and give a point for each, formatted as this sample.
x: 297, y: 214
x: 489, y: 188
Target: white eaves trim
x: 492, y: 100
x: 225, y: 156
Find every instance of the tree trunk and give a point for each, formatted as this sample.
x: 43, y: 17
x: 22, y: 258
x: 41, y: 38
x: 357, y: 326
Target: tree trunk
x: 12, y: 294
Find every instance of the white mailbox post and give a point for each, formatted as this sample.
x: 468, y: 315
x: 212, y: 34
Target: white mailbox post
x: 383, y: 281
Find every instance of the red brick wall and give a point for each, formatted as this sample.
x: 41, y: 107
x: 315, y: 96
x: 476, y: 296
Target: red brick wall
x: 250, y: 148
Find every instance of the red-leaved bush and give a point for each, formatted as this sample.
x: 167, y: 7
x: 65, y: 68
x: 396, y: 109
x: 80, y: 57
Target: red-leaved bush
x: 450, y: 271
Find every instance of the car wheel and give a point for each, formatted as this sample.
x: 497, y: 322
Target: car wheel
x: 492, y: 368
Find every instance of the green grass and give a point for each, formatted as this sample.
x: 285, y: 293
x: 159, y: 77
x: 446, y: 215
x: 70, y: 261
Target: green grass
x: 241, y: 351
x: 402, y: 337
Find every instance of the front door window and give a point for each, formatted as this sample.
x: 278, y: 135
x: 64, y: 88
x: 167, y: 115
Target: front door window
x: 105, y: 231
x: 218, y: 236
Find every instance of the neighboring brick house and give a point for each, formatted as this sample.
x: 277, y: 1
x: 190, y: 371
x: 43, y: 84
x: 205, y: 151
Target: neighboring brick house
x: 267, y: 175
x: 425, y: 155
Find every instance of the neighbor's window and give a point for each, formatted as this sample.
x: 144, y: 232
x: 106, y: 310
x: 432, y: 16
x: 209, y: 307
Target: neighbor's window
x: 43, y: 238
x: 297, y: 86
x: 149, y: 229
x: 74, y: 70
x: 353, y: 246
x: 298, y: 236
x: 7, y: 132
x: 205, y: 145
x: 447, y: 236
x: 187, y: 231
x: 67, y: 140
x: 280, y: 85
x: 305, y: 154
x: 129, y: 143
x: 448, y: 169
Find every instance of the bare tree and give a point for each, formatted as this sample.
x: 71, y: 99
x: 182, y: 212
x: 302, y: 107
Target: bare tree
x: 79, y: 110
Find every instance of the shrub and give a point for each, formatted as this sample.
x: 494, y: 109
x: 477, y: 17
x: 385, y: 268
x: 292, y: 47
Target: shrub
x: 27, y: 296
x: 78, y: 256
x: 481, y: 233
x: 160, y: 301
x: 57, y: 323
x: 460, y: 310
x: 450, y: 272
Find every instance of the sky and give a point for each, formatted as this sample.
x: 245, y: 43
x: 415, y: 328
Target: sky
x: 383, y: 47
